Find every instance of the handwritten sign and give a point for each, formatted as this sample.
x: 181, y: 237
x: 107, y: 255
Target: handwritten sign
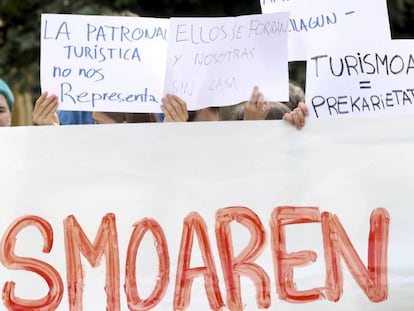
x: 322, y: 22
x: 363, y: 79
x: 173, y: 226
x: 218, y: 61
x: 104, y: 63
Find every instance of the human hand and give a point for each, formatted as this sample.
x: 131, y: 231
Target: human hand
x: 174, y: 109
x: 297, y: 116
x: 257, y: 108
x: 44, y: 111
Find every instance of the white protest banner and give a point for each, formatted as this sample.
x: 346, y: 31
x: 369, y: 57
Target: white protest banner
x: 195, y: 216
x: 104, y: 63
x: 361, y: 79
x: 217, y: 61
x: 326, y: 22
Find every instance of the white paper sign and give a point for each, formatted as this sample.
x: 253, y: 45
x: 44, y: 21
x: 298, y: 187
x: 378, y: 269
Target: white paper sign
x: 199, y: 216
x: 361, y: 79
x: 326, y: 22
x: 218, y: 61
x: 104, y: 63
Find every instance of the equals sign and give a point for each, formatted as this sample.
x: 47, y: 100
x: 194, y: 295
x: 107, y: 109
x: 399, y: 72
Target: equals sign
x: 364, y: 84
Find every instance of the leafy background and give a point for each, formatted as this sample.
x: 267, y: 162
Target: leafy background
x: 20, y: 31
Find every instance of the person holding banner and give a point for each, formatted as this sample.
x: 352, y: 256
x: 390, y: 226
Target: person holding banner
x: 6, y: 104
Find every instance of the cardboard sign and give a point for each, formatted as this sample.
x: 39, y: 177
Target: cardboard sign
x: 104, y: 63
x: 321, y: 23
x: 218, y: 61
x: 204, y: 216
x: 362, y: 79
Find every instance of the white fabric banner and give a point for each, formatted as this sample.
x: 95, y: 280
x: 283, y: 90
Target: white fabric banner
x: 272, y: 217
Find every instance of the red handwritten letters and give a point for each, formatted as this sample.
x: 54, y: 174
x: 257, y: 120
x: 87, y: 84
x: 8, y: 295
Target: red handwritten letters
x: 48, y: 273
x: 336, y: 243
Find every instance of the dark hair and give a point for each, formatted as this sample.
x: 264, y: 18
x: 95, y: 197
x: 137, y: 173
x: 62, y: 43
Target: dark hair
x: 129, y: 117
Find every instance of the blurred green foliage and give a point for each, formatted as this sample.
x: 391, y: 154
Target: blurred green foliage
x: 20, y: 26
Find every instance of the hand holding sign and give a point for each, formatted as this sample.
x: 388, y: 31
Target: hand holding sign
x: 174, y: 109
x: 257, y: 108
